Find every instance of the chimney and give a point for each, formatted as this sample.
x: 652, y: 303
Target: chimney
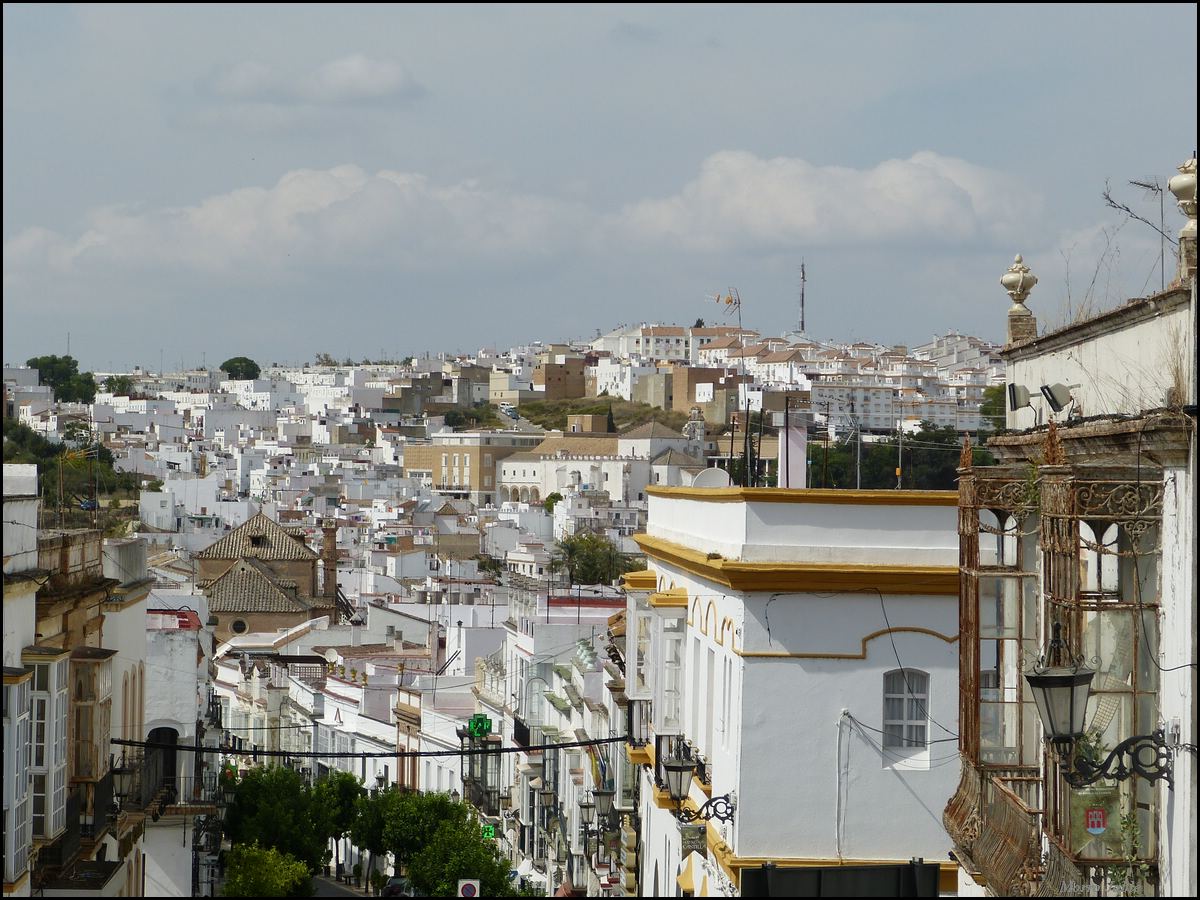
x: 329, y: 559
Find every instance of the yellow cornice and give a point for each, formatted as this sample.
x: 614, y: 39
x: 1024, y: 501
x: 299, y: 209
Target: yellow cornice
x: 862, y: 654
x: 807, y: 495
x: 18, y: 678
x: 675, y: 597
x: 640, y: 756
x: 733, y: 864
x: 803, y: 577
x: 643, y: 580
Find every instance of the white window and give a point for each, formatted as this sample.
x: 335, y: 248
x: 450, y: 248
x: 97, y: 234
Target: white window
x: 905, y: 709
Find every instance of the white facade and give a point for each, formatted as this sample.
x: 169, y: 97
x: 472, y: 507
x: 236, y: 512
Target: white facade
x: 772, y: 663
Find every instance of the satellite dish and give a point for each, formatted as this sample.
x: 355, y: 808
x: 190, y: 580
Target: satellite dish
x: 331, y: 656
x: 713, y: 477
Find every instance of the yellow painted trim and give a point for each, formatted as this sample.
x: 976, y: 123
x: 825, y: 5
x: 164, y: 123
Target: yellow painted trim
x: 31, y: 658
x: 782, y: 654
x: 12, y: 887
x: 639, y: 756
x: 17, y: 679
x: 807, y: 495
x: 803, y: 577
x: 643, y: 580
x: 675, y: 597
x: 733, y: 864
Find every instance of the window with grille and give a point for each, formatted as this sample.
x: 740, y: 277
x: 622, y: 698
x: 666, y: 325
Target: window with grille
x: 906, y: 709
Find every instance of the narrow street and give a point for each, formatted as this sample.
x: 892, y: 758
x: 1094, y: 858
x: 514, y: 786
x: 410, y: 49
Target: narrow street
x: 331, y: 887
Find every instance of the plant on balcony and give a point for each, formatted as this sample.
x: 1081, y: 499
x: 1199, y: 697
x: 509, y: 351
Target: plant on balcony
x: 227, y: 779
x: 1129, y: 874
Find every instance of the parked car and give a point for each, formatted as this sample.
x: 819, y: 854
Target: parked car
x: 398, y: 886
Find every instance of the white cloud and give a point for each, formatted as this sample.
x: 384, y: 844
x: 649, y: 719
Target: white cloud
x: 347, y: 217
x: 340, y: 216
x: 740, y: 200
x: 353, y: 79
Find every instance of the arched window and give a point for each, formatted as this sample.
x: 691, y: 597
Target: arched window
x: 906, y: 709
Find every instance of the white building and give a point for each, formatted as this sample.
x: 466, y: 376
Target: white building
x: 1090, y: 519
x: 800, y: 647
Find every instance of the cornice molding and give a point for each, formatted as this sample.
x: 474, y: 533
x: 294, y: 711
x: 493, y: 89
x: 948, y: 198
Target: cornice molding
x: 803, y: 577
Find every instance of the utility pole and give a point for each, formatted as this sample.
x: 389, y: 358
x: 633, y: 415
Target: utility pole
x: 900, y: 446
x: 802, y: 280
x: 825, y: 464
x: 785, y: 453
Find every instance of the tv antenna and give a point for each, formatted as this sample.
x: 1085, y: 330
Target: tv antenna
x: 802, y: 280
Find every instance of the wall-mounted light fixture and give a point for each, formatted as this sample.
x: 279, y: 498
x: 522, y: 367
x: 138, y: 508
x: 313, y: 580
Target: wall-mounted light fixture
x: 1061, y: 693
x: 1018, y: 397
x: 678, y: 773
x: 1059, y: 396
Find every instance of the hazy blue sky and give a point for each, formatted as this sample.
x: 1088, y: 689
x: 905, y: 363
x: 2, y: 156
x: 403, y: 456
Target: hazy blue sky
x: 205, y: 181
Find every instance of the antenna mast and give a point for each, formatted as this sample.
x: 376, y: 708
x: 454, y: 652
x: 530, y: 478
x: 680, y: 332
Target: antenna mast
x: 802, y: 279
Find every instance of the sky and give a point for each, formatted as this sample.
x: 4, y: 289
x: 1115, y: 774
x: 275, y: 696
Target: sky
x: 184, y: 184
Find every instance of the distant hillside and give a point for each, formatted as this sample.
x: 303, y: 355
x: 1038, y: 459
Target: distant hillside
x: 553, y: 413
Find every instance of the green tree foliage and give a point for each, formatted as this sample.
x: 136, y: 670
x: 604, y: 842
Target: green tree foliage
x: 81, y: 469
x: 440, y: 841
x: 590, y: 558
x: 551, y: 498
x: 63, y: 375
x: 373, y: 810
x: 412, y: 819
x: 273, y: 807
x: 241, y: 368
x: 457, y: 850
x: 699, y: 323
x: 930, y: 459
x: 77, y: 432
x: 992, y: 409
x: 265, y: 872
x: 481, y: 415
x: 489, y: 565
x: 119, y: 385
x: 336, y: 798
x: 324, y: 359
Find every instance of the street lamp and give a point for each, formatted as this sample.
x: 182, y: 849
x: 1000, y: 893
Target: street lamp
x: 1061, y: 694
x: 679, y: 779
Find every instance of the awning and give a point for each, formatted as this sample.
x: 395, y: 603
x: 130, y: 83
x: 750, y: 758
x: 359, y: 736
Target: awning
x: 690, y: 873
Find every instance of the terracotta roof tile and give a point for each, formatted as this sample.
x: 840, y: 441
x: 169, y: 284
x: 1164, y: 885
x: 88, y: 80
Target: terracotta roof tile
x: 261, y: 538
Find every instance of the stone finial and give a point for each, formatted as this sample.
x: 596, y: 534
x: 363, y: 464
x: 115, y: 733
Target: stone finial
x: 1183, y: 186
x: 1019, y: 281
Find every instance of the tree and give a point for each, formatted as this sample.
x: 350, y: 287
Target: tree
x: 119, y: 385
x: 324, y: 359
x: 63, y: 375
x: 265, y: 872
x: 265, y: 799
x: 551, y: 498
x: 241, y: 368
x: 336, y: 797
x: 991, y: 410
x: 77, y: 432
x: 590, y: 558
x: 438, y: 841
x: 373, y: 811
x: 457, y: 849
x: 699, y: 323
x: 611, y: 424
